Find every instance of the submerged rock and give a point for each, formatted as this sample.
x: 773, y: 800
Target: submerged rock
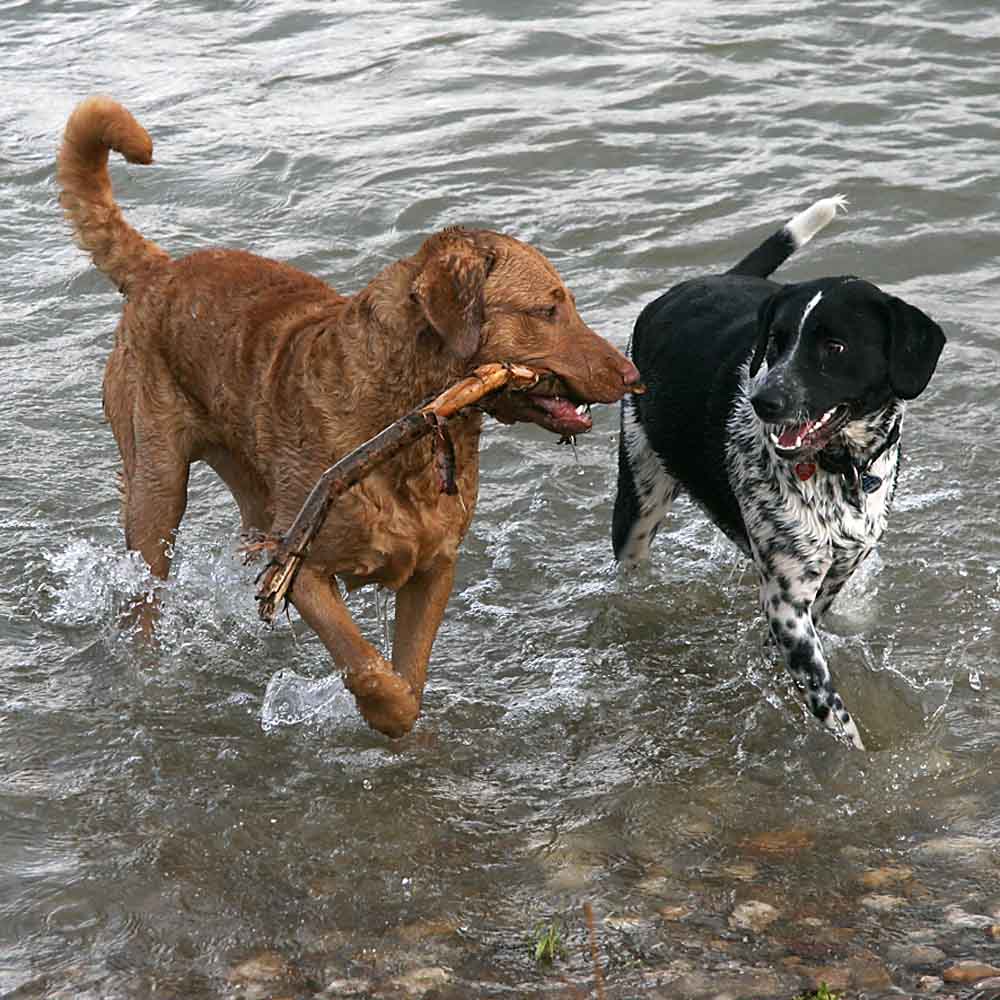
x: 863, y: 973
x: 962, y: 847
x: 337, y: 988
x: 421, y: 981
x: 263, y: 968
x: 882, y: 903
x: 876, y: 878
x: 753, y: 915
x: 868, y: 973
x: 779, y: 842
x: 837, y: 978
x: 969, y: 971
x: 913, y: 956
x: 958, y: 917
x: 266, y: 976
x: 745, y: 871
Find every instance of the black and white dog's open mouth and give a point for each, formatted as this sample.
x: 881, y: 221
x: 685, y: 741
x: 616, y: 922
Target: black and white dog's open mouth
x: 796, y: 441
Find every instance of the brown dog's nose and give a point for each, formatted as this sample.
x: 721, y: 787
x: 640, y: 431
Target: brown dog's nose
x: 630, y: 374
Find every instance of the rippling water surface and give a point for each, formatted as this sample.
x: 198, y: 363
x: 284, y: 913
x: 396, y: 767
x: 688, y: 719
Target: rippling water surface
x: 587, y: 738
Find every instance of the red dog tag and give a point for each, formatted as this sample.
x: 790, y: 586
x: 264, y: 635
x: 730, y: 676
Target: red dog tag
x: 805, y: 470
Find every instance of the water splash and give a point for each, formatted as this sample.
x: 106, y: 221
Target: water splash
x: 291, y: 699
x: 91, y: 581
x: 208, y: 597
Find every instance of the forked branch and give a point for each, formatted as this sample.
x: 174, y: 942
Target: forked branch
x: 287, y: 552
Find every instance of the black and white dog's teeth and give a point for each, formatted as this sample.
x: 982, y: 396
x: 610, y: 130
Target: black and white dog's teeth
x: 811, y: 428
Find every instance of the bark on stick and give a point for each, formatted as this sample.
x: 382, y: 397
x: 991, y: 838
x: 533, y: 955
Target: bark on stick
x: 288, y: 551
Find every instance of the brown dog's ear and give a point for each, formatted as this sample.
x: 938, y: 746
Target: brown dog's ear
x: 915, y: 344
x: 450, y: 292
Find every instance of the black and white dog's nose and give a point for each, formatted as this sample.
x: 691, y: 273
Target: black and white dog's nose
x: 770, y: 403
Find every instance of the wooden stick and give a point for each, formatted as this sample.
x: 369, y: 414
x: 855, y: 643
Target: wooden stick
x: 288, y: 552
x: 588, y: 912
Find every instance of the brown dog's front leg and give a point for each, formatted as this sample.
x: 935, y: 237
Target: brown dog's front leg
x: 420, y: 605
x: 384, y: 698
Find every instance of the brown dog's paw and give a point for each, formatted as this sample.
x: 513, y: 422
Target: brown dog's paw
x: 385, y: 700
x: 141, y: 615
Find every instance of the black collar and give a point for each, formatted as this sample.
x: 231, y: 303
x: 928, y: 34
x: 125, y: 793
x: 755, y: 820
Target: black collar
x: 855, y: 472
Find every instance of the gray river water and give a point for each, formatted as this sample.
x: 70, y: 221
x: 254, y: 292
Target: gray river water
x: 162, y: 835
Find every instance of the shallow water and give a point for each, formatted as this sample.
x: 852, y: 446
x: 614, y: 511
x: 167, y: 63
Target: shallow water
x: 627, y: 742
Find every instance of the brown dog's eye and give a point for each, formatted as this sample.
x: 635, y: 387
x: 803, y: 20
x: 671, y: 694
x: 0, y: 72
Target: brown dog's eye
x: 551, y: 312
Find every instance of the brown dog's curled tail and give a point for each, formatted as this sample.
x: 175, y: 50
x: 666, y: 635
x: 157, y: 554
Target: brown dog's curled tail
x: 97, y: 125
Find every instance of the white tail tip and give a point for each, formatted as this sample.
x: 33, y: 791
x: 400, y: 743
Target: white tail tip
x: 804, y: 226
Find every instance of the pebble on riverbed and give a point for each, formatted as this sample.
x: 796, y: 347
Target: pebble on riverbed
x: 265, y: 976
x: 742, y: 871
x: 958, y: 917
x: 877, y: 878
x: 882, y: 903
x: 779, y: 842
x: 864, y: 972
x: 420, y: 981
x: 969, y: 971
x: 263, y: 968
x: 346, y: 988
x: 753, y: 915
x: 963, y: 849
x: 916, y: 955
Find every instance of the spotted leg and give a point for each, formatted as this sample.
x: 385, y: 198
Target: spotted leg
x: 788, y: 607
x: 833, y: 583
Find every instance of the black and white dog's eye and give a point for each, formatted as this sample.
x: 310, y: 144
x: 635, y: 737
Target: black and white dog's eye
x: 835, y: 347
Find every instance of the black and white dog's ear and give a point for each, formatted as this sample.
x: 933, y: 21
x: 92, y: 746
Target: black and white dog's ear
x: 915, y: 344
x: 765, y: 316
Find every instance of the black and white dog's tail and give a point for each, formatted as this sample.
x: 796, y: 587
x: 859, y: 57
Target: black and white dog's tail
x: 795, y: 233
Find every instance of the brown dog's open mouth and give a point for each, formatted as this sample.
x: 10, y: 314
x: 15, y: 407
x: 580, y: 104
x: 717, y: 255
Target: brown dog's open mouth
x: 555, y: 413
x: 797, y: 441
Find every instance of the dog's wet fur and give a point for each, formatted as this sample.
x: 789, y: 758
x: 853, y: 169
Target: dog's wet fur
x: 778, y: 409
x: 269, y: 375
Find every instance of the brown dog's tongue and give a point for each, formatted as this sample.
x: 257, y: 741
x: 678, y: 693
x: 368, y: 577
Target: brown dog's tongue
x: 563, y: 413
x: 554, y: 413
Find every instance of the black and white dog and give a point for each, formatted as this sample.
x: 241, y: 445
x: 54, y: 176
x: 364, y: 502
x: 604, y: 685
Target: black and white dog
x: 778, y: 409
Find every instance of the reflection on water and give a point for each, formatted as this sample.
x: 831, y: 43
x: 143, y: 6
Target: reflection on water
x: 209, y: 817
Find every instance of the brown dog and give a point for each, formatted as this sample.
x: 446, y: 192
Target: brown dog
x: 269, y: 376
